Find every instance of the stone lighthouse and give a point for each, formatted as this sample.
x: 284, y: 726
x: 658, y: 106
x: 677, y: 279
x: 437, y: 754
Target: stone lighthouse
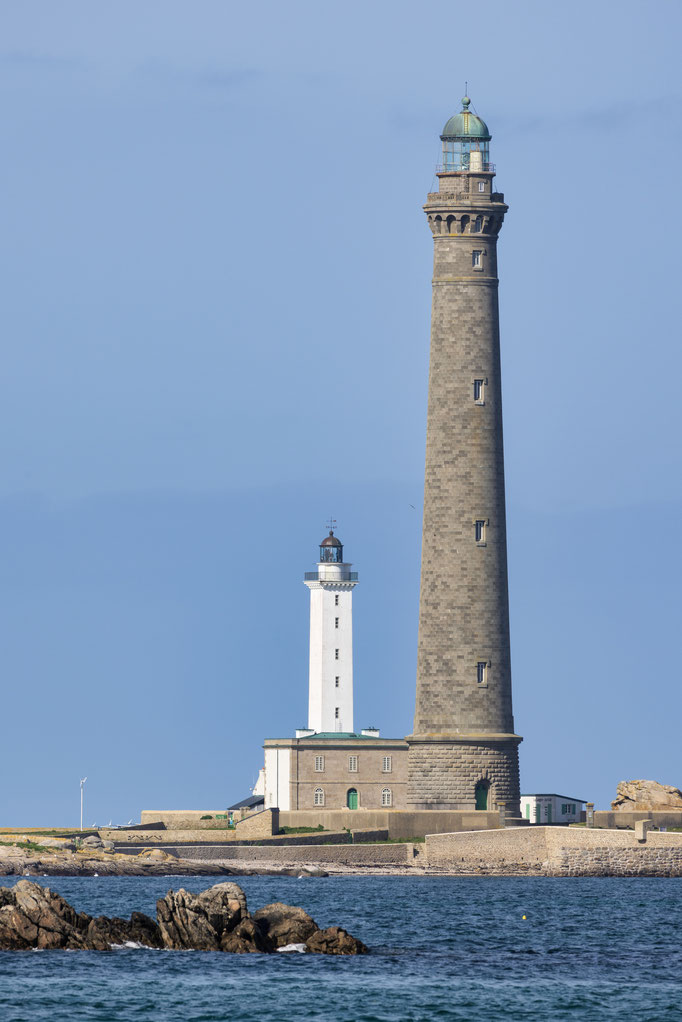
x: 463, y: 753
x: 330, y: 688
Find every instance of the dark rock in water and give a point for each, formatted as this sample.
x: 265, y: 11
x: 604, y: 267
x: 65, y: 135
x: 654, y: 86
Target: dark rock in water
x: 32, y: 916
x: 217, y: 919
x: 335, y: 941
x: 200, y: 921
x: 103, y: 932
x: 284, y: 924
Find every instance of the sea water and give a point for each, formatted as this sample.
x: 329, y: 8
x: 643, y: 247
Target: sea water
x: 441, y: 948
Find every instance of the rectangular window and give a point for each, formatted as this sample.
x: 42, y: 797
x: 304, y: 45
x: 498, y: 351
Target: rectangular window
x: 336, y: 622
x: 353, y: 764
x: 318, y: 797
x: 481, y: 186
x: 479, y: 527
x: 336, y: 654
x: 476, y: 259
x: 482, y: 672
x: 336, y: 713
x: 386, y: 765
x: 479, y: 392
x: 319, y: 764
x: 337, y: 679
x: 336, y: 600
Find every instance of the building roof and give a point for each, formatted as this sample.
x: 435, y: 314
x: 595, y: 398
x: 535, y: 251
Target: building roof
x: 330, y: 540
x: 553, y: 794
x: 248, y: 803
x: 466, y: 125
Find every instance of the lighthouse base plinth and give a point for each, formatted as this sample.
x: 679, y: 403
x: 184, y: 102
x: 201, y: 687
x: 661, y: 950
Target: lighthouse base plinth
x: 463, y: 772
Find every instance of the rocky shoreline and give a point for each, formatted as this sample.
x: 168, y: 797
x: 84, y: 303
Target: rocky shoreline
x: 33, y: 917
x: 16, y: 860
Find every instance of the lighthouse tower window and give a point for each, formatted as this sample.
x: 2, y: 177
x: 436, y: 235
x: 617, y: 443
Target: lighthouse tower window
x: 479, y: 392
x: 477, y: 259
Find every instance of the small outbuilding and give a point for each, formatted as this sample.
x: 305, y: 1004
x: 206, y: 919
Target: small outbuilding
x: 551, y: 808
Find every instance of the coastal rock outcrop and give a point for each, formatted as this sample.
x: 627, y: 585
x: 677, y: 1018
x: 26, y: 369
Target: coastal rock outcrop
x: 282, y: 925
x: 646, y: 795
x: 201, y: 921
x: 32, y: 916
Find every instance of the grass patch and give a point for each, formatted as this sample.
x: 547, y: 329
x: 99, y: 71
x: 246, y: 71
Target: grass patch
x: 28, y: 846
x: 301, y: 830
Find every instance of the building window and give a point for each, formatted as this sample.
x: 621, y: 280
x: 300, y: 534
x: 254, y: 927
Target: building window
x: 482, y: 672
x: 480, y: 530
x: 336, y: 600
x: 481, y: 186
x: 337, y: 679
x: 386, y: 797
x: 336, y: 622
x: 336, y: 654
x: 477, y: 259
x: 479, y: 392
x: 478, y: 223
x: 318, y: 797
x: 336, y: 713
x: 319, y: 764
x: 353, y: 764
x: 387, y: 765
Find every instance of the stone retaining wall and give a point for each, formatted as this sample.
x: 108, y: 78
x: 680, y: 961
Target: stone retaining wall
x: 293, y: 855
x: 552, y: 851
x: 625, y: 818
x: 400, y: 824
x: 183, y: 838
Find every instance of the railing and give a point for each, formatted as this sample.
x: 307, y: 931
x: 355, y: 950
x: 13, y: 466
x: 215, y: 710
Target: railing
x: 448, y: 168
x: 316, y: 576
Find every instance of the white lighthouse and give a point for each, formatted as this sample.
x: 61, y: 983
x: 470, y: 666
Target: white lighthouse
x: 330, y: 692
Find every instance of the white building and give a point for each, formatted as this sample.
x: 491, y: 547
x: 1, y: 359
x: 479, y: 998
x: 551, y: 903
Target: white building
x: 330, y: 679
x: 328, y: 765
x: 550, y: 808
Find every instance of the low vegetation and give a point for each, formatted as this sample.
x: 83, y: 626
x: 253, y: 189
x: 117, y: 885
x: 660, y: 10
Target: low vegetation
x: 302, y: 830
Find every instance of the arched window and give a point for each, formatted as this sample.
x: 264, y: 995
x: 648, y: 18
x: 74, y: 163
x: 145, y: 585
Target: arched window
x: 386, y: 797
x: 481, y: 794
x: 452, y: 229
x: 478, y: 223
x: 463, y: 223
x: 318, y: 798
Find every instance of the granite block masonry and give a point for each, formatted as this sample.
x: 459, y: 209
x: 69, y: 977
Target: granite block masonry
x: 463, y: 752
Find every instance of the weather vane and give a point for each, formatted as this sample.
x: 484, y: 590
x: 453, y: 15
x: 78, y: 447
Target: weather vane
x: 331, y: 523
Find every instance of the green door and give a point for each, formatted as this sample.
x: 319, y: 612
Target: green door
x: 481, y: 795
x: 549, y: 812
x: 352, y: 798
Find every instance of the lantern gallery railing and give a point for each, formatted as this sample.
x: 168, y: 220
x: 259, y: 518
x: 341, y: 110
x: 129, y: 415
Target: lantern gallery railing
x: 325, y: 576
x: 451, y: 168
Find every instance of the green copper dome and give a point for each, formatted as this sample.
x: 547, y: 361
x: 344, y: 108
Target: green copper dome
x: 466, y: 125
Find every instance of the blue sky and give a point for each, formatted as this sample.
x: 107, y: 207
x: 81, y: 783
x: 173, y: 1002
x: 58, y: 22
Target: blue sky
x: 216, y: 321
